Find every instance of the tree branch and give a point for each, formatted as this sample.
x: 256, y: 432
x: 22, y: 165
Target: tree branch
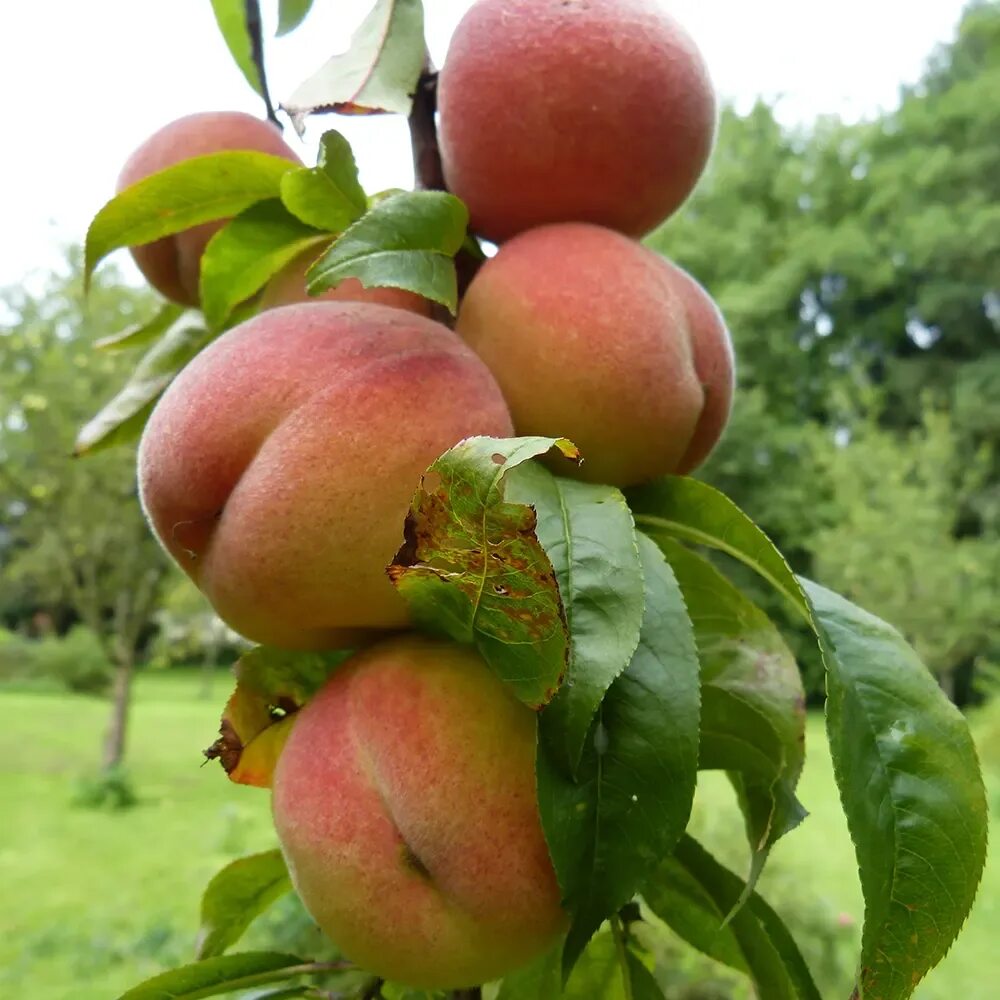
x: 427, y: 169
x: 256, y: 30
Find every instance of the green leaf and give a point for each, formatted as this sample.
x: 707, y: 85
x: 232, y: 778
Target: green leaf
x: 143, y: 333
x: 691, y: 892
x: 231, y: 17
x: 641, y: 984
x: 912, y: 791
x: 288, y: 676
x: 588, y: 534
x: 246, y: 253
x: 328, y: 196
x: 291, y: 13
x: 378, y: 73
x: 407, y: 241
x: 597, y: 975
x: 472, y: 567
x: 753, y: 705
x: 123, y: 418
x: 235, y: 896
x: 904, y: 761
x: 632, y: 796
x: 698, y: 513
x: 213, y: 977
x: 202, y: 189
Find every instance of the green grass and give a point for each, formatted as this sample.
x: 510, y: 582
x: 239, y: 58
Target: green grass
x: 93, y: 901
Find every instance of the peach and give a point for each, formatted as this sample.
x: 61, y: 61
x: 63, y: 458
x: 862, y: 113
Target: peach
x: 406, y: 809
x: 278, y: 467
x: 289, y: 285
x: 573, y: 110
x: 596, y: 338
x: 171, y: 265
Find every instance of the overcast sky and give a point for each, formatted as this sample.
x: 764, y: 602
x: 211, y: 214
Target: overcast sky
x: 85, y: 81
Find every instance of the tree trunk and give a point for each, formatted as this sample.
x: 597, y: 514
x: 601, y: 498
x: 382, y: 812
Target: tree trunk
x: 114, y: 743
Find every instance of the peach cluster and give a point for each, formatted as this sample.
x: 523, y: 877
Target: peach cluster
x: 278, y: 467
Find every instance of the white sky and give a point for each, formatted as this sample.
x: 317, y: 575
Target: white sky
x: 85, y: 81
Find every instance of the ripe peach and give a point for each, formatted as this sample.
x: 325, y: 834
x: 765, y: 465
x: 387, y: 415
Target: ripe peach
x: 289, y: 285
x: 573, y: 110
x: 405, y: 805
x: 171, y: 265
x: 594, y: 337
x: 279, y: 465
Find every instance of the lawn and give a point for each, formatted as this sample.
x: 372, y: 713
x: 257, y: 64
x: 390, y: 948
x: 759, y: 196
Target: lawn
x: 94, y: 901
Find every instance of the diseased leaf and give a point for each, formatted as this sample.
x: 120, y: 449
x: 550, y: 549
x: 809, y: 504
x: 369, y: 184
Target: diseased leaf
x: 328, y: 196
x: 753, y: 705
x: 235, y: 896
x: 271, y: 686
x: 407, y: 241
x: 632, y: 795
x: 143, y: 333
x: 231, y: 17
x: 691, y: 892
x: 202, y: 189
x: 588, y: 534
x: 213, y: 977
x: 246, y: 253
x: 472, y: 567
x: 378, y: 72
x: 123, y: 418
x: 904, y: 761
x: 291, y: 13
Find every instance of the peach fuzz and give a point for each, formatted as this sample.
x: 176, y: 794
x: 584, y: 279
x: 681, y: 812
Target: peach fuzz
x: 289, y: 286
x: 406, y: 809
x: 172, y: 265
x: 593, y: 337
x: 278, y: 467
x: 573, y: 110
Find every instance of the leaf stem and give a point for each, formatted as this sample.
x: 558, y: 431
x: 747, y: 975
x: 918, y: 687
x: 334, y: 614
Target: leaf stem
x: 256, y: 31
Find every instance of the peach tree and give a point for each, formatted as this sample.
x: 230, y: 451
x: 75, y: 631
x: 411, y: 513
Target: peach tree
x: 447, y: 493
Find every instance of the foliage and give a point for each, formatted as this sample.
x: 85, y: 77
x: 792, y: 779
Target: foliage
x: 75, y: 662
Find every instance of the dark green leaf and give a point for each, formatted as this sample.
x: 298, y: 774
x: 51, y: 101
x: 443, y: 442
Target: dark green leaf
x: 632, y: 797
x: 406, y: 241
x: 379, y: 72
x: 140, y: 334
x: 235, y: 896
x: 642, y: 985
x: 753, y: 706
x: 291, y: 13
x: 911, y: 787
x: 696, y: 512
x: 216, y: 976
x: 905, y: 764
x: 231, y: 17
x: 472, y: 567
x: 198, y: 190
x: 588, y: 535
x: 691, y: 892
x: 123, y: 419
x: 246, y: 253
x: 328, y: 196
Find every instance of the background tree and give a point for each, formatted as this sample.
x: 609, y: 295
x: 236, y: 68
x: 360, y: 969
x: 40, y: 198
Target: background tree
x: 74, y: 543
